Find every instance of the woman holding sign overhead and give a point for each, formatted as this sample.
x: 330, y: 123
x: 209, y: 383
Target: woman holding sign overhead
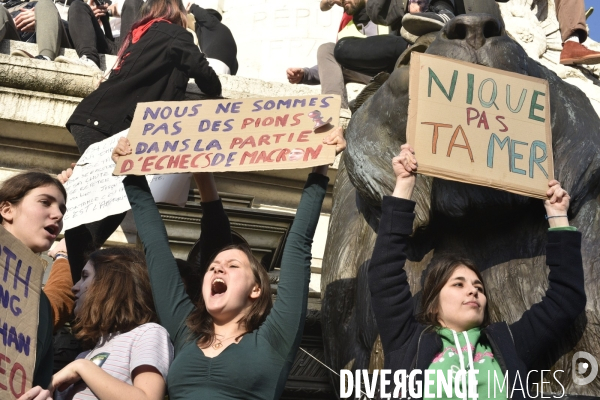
x: 453, y: 318
x: 232, y: 332
x: 155, y: 63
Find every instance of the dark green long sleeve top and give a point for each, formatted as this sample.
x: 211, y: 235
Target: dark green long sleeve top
x: 257, y: 367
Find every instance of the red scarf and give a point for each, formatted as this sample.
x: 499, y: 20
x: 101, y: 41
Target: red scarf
x: 141, y: 30
x: 345, y: 20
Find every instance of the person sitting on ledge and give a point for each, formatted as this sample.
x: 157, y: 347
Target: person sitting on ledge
x: 356, y: 57
x: 573, y: 31
x: 216, y: 40
x: 44, y: 20
x: 89, y: 38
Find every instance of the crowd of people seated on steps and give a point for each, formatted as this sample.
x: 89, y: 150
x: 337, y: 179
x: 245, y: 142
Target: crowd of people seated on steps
x: 374, y: 33
x: 94, y: 27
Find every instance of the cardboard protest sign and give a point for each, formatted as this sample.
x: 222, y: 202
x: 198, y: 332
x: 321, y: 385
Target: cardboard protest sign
x: 480, y: 125
x: 93, y: 193
x: 230, y: 135
x: 20, y: 287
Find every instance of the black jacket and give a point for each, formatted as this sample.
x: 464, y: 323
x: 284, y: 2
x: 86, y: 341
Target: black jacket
x: 216, y: 40
x: 518, y: 347
x: 155, y: 68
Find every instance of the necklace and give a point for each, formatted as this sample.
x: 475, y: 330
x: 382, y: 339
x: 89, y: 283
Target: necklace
x: 219, y: 342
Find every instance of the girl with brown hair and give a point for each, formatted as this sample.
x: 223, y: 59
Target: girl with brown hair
x: 232, y: 344
x: 452, y: 333
x: 128, y: 354
x: 32, y: 205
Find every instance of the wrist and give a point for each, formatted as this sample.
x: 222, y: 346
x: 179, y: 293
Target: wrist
x: 60, y: 254
x: 321, y: 169
x: 404, y: 188
x: 77, y: 365
x: 557, y: 221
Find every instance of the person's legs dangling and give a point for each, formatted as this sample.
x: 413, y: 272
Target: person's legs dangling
x: 84, y: 239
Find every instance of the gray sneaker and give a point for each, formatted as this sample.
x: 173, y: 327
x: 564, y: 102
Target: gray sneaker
x: 83, y: 61
x: 420, y: 24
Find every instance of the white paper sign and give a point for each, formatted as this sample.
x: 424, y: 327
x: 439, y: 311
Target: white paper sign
x: 93, y: 193
x: 172, y: 189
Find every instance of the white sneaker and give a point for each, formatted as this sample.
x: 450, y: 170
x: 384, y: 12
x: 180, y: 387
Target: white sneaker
x: 21, y: 53
x: 345, y: 113
x: 25, y: 54
x: 84, y: 61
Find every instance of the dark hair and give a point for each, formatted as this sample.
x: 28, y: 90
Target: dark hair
x: 16, y: 188
x: 200, y: 321
x: 191, y: 275
x: 120, y: 298
x: 171, y: 10
x: 435, y: 280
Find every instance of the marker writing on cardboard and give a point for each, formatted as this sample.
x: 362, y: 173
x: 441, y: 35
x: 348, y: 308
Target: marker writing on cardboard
x: 493, y: 95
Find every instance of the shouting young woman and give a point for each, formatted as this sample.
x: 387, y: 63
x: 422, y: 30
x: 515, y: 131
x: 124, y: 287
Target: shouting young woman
x: 231, y: 344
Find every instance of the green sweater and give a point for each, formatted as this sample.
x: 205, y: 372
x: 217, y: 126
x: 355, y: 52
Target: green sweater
x: 464, y: 351
x: 258, y: 366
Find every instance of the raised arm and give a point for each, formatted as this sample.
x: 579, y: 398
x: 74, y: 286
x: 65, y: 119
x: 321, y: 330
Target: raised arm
x: 59, y: 284
x: 215, y: 230
x: 546, y: 323
x: 391, y: 299
x: 284, y: 325
x: 172, y: 303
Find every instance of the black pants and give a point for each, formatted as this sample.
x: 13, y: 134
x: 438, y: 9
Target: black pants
x: 370, y: 55
x: 87, y: 238
x: 88, y: 38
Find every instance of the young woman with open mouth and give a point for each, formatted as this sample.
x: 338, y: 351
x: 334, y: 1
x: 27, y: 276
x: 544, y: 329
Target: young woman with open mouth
x: 32, y: 205
x: 231, y: 344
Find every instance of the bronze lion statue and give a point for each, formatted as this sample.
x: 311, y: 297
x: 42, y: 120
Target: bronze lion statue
x: 503, y: 233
